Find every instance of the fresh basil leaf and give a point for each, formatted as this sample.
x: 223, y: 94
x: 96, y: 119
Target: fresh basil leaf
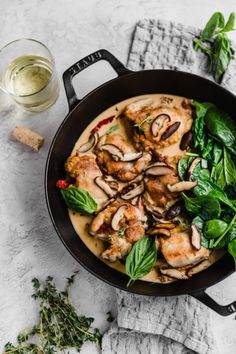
x: 215, y: 23
x: 229, y: 168
x: 214, y: 228
x: 232, y: 249
x: 200, y: 224
x: 222, y: 127
x: 205, y: 206
x: 221, y: 57
x: 230, y: 23
x: 141, y: 259
x: 79, y: 200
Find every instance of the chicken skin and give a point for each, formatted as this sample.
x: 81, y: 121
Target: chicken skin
x: 142, y: 114
x: 130, y: 228
x: 85, y: 169
x: 178, y: 250
x: 123, y: 171
x: 156, y: 192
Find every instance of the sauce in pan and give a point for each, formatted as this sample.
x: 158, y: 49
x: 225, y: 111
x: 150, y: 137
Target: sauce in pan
x: 79, y: 222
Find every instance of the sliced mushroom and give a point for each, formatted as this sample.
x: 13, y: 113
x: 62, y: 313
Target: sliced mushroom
x: 131, y: 156
x: 113, y: 183
x: 170, y: 130
x: 119, y: 214
x: 115, y: 152
x: 159, y: 122
x: 194, y: 163
x: 164, y: 225
x: 174, y: 273
x: 158, y: 169
x: 105, y: 186
x: 186, y: 140
x: 195, y: 237
x: 133, y: 192
x: 159, y: 232
x: 173, y: 211
x: 182, y: 186
x: 93, y: 139
x: 135, y: 200
x: 199, y: 267
x: 137, y: 179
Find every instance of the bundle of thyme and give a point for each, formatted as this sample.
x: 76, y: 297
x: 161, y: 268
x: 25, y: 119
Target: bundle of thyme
x: 59, y: 326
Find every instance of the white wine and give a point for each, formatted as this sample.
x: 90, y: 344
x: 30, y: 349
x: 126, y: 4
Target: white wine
x: 31, y: 82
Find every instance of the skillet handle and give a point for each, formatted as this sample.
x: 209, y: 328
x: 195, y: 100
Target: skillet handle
x: 82, y: 64
x: 223, y: 310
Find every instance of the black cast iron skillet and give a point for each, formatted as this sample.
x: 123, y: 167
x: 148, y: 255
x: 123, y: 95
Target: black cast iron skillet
x: 81, y: 113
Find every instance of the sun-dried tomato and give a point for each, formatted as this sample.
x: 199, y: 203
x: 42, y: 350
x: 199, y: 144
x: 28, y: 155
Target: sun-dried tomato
x: 101, y: 123
x: 62, y: 183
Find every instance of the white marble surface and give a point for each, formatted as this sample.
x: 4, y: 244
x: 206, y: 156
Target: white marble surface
x: 29, y: 245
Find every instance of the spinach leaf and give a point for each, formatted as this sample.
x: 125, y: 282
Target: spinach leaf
x: 207, y: 187
x: 205, y: 206
x: 214, y: 228
x: 232, y: 249
x: 229, y: 228
x: 229, y: 168
x: 183, y: 166
x: 230, y: 23
x: 200, y: 224
x: 207, y: 150
x: 79, y: 200
x: 219, y: 176
x: 230, y: 190
x: 217, y: 153
x: 141, y: 259
x: 199, y: 132
x: 221, y: 127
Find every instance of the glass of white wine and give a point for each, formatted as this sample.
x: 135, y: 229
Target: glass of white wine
x: 28, y: 75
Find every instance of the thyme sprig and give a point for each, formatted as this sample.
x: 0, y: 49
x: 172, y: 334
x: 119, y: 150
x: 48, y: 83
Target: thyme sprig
x: 59, y: 326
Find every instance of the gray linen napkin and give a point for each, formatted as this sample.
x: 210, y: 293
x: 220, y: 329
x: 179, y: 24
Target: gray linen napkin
x: 166, y: 325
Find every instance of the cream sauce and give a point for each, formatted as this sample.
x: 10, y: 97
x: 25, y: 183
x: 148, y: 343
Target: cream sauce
x: 80, y: 222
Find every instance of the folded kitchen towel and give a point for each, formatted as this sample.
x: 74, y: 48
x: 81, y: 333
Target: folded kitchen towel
x: 164, y: 325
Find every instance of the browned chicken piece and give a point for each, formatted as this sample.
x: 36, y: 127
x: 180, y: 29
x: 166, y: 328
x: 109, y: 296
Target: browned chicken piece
x: 156, y: 194
x: 124, y: 171
x: 178, y: 250
x: 158, y: 128
x: 85, y: 169
x: 121, y: 224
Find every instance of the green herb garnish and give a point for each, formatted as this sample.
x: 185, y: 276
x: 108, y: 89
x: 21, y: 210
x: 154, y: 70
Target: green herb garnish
x: 112, y: 129
x: 59, y: 326
x: 79, y: 200
x: 141, y: 259
x: 218, y: 45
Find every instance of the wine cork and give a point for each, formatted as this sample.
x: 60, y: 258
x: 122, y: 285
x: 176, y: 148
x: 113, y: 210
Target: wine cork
x: 27, y: 137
